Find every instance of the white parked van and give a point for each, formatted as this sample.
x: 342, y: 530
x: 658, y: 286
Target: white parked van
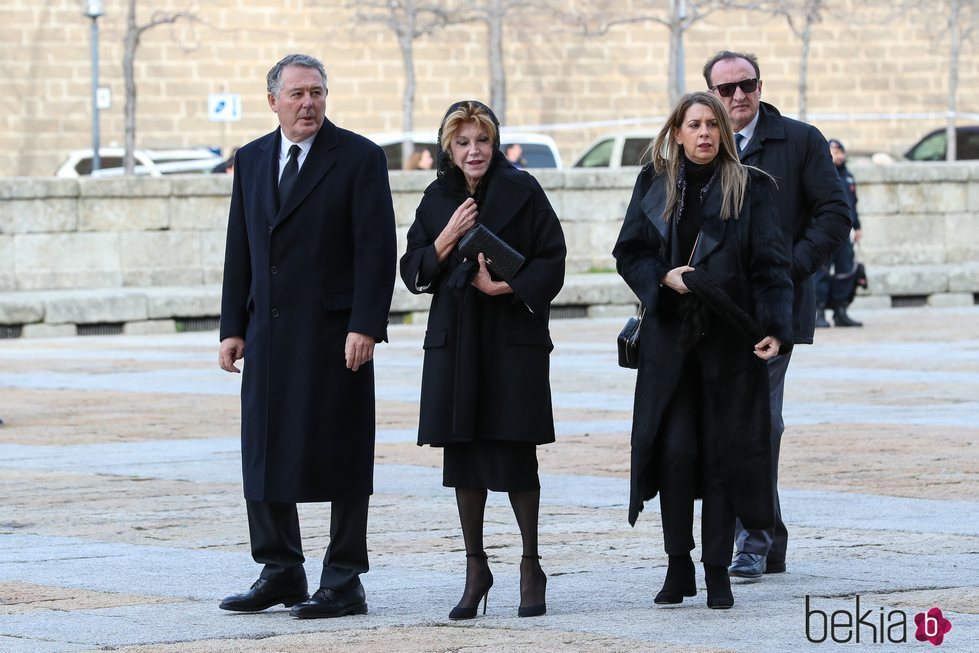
x: 617, y: 151
x: 153, y: 163
x: 539, y: 151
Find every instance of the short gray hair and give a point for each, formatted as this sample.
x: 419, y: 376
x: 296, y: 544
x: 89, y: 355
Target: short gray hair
x: 273, y: 80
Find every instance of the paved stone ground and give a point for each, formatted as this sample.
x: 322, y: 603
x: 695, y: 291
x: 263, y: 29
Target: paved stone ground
x: 122, y: 523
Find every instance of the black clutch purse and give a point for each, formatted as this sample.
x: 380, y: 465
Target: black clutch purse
x: 501, y: 260
x: 628, y: 340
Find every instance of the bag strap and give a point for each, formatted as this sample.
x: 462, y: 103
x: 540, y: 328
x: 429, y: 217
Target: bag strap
x: 694, y: 248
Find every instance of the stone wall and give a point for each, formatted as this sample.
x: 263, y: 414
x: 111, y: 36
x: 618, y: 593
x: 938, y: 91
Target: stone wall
x: 139, y: 250
x: 868, y: 60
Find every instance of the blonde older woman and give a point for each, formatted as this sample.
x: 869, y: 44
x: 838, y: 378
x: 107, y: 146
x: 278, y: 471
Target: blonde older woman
x: 485, y: 388
x: 701, y: 418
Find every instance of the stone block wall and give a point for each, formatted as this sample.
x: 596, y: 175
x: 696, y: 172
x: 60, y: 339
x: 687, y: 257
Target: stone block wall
x: 136, y: 250
x: 868, y: 60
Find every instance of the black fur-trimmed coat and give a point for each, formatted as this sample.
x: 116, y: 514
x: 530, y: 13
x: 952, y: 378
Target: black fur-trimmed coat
x: 749, y: 260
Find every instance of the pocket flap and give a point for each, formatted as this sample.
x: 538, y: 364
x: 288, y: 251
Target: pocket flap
x: 435, y: 338
x: 529, y: 337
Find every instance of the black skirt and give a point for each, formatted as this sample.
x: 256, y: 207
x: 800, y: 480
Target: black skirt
x: 491, y: 465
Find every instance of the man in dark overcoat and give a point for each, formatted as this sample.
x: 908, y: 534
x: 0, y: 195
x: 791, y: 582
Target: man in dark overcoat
x: 308, y: 278
x: 815, y: 219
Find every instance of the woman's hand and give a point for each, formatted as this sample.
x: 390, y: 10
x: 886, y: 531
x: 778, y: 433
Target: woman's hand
x: 767, y: 348
x: 484, y: 283
x: 674, y: 279
x: 461, y: 221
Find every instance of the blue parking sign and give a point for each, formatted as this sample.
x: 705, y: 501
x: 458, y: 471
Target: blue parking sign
x: 223, y: 107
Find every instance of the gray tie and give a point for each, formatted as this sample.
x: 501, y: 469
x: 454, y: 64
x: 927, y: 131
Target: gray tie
x: 289, y: 174
x: 738, y: 138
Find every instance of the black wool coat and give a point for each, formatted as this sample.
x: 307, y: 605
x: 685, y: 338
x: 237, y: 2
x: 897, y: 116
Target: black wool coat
x: 296, y: 281
x: 747, y: 258
x: 486, y: 367
x: 810, y: 203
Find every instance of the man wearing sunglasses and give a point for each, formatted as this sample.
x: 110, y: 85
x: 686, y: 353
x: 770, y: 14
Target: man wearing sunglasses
x: 815, y: 220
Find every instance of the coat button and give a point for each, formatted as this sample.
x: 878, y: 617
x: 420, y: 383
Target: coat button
x: 275, y: 312
x: 270, y: 228
x: 275, y: 270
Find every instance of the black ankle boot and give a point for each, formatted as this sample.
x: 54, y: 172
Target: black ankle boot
x: 841, y: 319
x: 479, y: 580
x: 821, y: 322
x: 533, y: 587
x: 679, y: 581
x: 719, y: 596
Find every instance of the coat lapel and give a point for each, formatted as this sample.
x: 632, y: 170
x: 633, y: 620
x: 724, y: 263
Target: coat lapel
x: 503, y: 201
x: 711, y: 227
x: 653, y: 203
x: 268, y: 182
x: 318, y: 162
x: 768, y: 128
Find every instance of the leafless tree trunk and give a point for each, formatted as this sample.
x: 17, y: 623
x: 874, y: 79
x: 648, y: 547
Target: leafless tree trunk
x: 409, y: 20
x: 961, y: 21
x: 955, y: 49
x: 495, y: 13
x: 133, y: 34
x: 596, y: 18
x: 801, y: 15
x: 406, y: 44
x: 677, y: 63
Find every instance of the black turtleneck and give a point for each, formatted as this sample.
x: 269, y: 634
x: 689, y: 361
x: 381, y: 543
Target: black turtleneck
x: 689, y: 220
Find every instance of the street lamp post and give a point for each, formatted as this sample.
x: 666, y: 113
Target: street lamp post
x: 93, y: 9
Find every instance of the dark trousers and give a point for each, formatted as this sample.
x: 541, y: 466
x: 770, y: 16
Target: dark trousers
x: 771, y: 542
x: 834, y: 288
x: 277, y: 544
x: 682, y: 460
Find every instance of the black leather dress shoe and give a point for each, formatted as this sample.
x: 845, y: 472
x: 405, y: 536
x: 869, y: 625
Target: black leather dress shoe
x: 266, y: 592
x: 325, y: 603
x: 747, y: 565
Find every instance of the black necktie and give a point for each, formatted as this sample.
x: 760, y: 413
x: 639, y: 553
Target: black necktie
x: 738, y: 138
x: 289, y: 174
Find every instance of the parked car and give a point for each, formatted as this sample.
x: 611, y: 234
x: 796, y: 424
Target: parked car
x: 616, y: 151
x: 934, y: 145
x: 149, y: 162
x: 539, y: 151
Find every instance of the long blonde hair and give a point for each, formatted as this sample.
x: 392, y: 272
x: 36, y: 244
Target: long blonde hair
x: 667, y: 155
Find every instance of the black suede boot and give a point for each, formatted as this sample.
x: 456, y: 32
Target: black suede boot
x: 719, y: 596
x: 680, y: 581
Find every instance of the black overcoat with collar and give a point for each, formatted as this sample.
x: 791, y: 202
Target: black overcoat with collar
x: 297, y: 279
x: 749, y: 260
x: 486, y: 366
x: 811, y: 205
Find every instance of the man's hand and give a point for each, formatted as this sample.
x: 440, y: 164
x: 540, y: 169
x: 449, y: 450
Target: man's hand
x: 767, y: 348
x: 358, y: 350
x: 232, y: 349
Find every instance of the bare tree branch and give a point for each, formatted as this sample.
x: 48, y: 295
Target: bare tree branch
x: 961, y: 20
x: 134, y: 32
x: 596, y: 18
x: 410, y: 20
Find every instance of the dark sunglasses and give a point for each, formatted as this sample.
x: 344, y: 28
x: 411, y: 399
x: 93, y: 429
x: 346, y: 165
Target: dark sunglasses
x: 746, y: 86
